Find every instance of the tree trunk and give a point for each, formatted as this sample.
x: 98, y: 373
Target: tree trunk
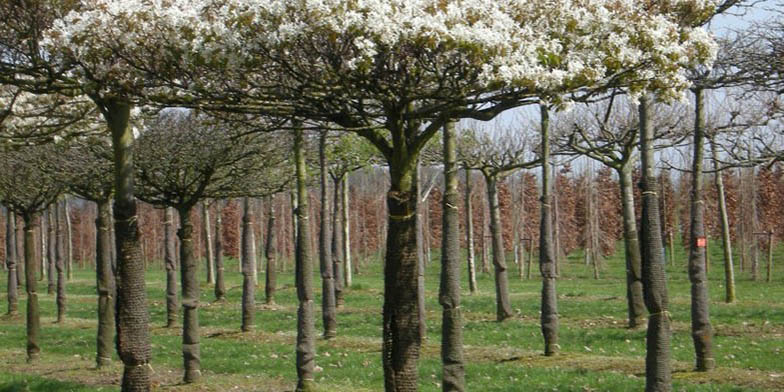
x: 346, y: 233
x: 189, y: 280
x: 328, y: 312
x: 104, y: 276
x: 59, y: 254
x: 338, y: 256
x: 248, y: 272
x: 51, y: 261
x: 132, y: 317
x: 206, y: 235
x: 10, y: 262
x: 547, y: 266
x: 43, y: 262
x: 170, y: 261
x: 769, y: 272
x: 634, y: 291
x: 306, y: 339
x: 421, y: 255
x: 68, y: 239
x: 31, y: 283
x: 503, y: 307
x: 449, y: 289
x: 270, y: 253
x: 294, y: 224
x: 729, y: 269
x: 18, y: 242
x: 658, y: 376
x: 701, y: 331
x: 470, y: 234
x: 219, y: 289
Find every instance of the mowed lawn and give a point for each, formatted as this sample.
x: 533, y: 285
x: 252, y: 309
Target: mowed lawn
x: 597, y: 352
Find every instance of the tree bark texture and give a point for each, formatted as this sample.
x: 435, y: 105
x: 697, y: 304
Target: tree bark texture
x: 170, y: 261
x: 11, y: 262
x: 658, y: 374
x: 328, y: 312
x: 104, y: 276
x: 189, y: 281
x: 306, y: 339
x: 220, y: 289
x: 346, y: 234
x: 59, y: 256
x: 248, y: 259
x: 51, y: 262
x: 701, y: 331
x: 547, y: 266
x: 31, y: 283
x: 206, y: 235
x: 19, y: 252
x: 131, y: 315
x: 338, y: 255
x: 470, y: 234
x: 634, y: 295
x: 503, y: 306
x: 271, y: 254
x: 453, y: 377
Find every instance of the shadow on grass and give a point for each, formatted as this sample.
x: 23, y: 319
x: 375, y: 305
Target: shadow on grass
x: 36, y: 384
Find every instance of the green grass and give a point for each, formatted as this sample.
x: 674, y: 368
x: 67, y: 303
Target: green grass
x: 598, y: 352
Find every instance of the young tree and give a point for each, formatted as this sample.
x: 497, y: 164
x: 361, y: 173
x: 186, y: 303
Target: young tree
x: 328, y: 312
x: 11, y: 260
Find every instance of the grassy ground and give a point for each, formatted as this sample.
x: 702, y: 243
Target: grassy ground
x: 598, y: 352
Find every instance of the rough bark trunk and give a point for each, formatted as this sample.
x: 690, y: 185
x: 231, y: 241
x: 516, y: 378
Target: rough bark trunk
x: 328, y: 312
x: 191, y: 355
x: 503, y: 307
x: 207, y: 236
x: 470, y: 234
x: 59, y: 255
x: 248, y: 260
x: 104, y: 276
x: 701, y: 331
x: 306, y: 338
x: 170, y: 261
x: 346, y: 233
x: 270, y: 253
x: 132, y: 317
x: 219, y: 290
x: 634, y: 295
x: 547, y: 266
x: 729, y: 269
x: 31, y: 283
x: 338, y: 256
x: 10, y: 262
x: 658, y: 375
x: 449, y: 290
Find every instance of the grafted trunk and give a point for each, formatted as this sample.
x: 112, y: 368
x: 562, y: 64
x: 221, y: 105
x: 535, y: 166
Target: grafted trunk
x: 191, y: 354
x: 338, y: 255
x: 547, y: 267
x: 104, y: 276
x: 306, y: 338
x: 220, y: 289
x: 470, y: 234
x: 170, y: 261
x: 248, y: 272
x: 328, y: 313
x: 634, y: 295
x: 51, y: 261
x: 449, y: 290
x: 729, y: 269
x: 10, y: 262
x: 59, y: 255
x: 503, y: 307
x: 701, y: 331
x: 346, y: 234
x: 207, y: 237
x: 132, y: 317
x: 271, y: 254
x: 31, y: 283
x: 658, y: 374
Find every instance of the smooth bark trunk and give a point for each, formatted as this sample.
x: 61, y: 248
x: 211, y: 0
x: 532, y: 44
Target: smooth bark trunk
x: 207, y: 237
x: 51, y: 262
x: 11, y: 262
x: 658, y: 374
x: 547, y: 264
x: 503, y: 306
x: 248, y: 272
x: 634, y: 291
x: 132, y: 317
x: 271, y: 254
x: 59, y: 256
x: 470, y: 234
x: 338, y: 256
x: 729, y: 269
x: 306, y: 337
x: 453, y: 377
x: 328, y: 312
x: 191, y: 350
x: 219, y: 289
x: 33, y: 320
x: 346, y: 233
x: 170, y: 261
x: 104, y: 276
x: 68, y: 238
